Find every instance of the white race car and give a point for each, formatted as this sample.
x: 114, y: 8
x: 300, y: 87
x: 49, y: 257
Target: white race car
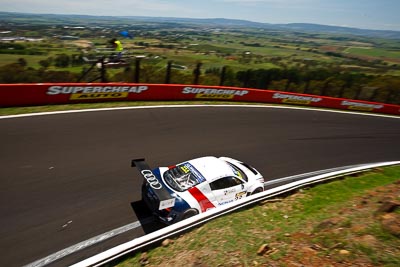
x: 195, y: 186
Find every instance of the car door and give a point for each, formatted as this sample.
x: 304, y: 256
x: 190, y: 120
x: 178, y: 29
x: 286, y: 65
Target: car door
x: 228, y: 189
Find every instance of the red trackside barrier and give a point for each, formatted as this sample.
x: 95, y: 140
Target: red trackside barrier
x: 68, y: 93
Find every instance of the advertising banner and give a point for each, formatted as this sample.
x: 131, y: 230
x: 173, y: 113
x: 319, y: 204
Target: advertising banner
x: 69, y: 93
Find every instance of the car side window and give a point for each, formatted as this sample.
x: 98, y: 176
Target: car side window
x: 225, y: 182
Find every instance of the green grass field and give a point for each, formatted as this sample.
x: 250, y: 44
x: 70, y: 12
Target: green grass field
x: 225, y: 50
x: 32, y: 60
x: 373, y: 52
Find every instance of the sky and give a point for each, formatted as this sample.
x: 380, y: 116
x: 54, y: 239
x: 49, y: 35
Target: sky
x: 364, y: 14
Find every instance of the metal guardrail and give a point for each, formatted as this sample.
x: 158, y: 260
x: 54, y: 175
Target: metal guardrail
x: 297, y: 181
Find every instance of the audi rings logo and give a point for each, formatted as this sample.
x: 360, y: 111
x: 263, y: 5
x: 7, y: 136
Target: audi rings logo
x: 151, y: 179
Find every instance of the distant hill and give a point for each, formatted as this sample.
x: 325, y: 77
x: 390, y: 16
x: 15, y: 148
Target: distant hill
x: 215, y: 22
x: 340, y: 30
x: 300, y: 27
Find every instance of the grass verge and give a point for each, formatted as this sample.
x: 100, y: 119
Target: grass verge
x: 333, y: 224
x: 51, y: 108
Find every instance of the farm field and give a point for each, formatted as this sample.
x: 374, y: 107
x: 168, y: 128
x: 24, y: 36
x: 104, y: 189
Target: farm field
x: 334, y: 64
x: 188, y: 43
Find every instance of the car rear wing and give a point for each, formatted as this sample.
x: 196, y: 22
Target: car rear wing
x: 166, y: 200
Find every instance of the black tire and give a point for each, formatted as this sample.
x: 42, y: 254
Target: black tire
x: 257, y: 190
x: 189, y: 213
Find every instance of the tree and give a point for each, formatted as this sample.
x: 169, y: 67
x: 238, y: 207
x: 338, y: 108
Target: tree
x: 62, y: 61
x: 293, y: 76
x: 22, y: 62
x: 45, y: 63
x: 270, y: 75
x: 318, y: 74
x: 245, y: 77
x: 15, y: 73
x: 387, y: 89
x: 76, y: 60
x: 351, y: 84
x: 58, y: 76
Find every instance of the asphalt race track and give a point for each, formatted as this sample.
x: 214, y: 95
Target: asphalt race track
x: 65, y: 178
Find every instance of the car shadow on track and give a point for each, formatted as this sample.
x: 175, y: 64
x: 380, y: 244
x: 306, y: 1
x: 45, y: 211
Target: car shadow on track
x: 145, y: 217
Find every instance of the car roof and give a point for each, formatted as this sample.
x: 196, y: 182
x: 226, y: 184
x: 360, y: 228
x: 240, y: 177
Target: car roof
x: 212, y: 168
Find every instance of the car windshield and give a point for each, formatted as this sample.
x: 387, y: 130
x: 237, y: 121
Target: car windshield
x: 183, y: 177
x: 239, y: 172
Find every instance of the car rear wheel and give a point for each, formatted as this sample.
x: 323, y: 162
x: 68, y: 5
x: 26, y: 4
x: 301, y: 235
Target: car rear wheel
x: 189, y: 213
x: 257, y: 190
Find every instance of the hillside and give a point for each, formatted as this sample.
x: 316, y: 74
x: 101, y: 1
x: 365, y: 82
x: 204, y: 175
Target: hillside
x: 221, y: 22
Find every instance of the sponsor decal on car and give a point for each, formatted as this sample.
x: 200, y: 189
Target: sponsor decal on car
x: 229, y: 191
x: 189, y: 168
x: 240, y: 195
x: 95, y: 92
x: 214, y: 93
x: 165, y: 204
x: 225, y: 202
x: 204, y: 202
x: 296, y: 99
x: 151, y: 179
x: 360, y: 106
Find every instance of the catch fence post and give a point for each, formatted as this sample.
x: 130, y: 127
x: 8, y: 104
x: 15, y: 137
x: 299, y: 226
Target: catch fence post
x: 103, y: 71
x: 389, y: 96
x: 168, y: 74
x: 197, y: 73
x: 246, y: 78
x: 223, y: 73
x: 137, y: 70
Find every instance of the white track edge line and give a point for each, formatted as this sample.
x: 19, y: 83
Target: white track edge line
x: 84, y: 244
x: 196, y: 106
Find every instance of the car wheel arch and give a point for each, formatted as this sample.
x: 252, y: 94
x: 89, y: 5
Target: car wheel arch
x: 189, y: 213
x: 255, y: 191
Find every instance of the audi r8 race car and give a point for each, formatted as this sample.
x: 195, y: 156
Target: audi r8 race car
x: 195, y: 186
